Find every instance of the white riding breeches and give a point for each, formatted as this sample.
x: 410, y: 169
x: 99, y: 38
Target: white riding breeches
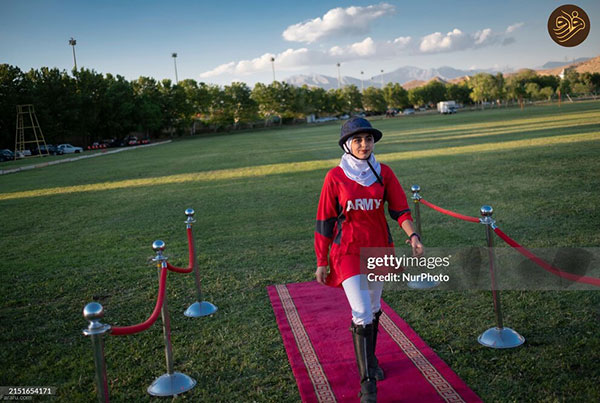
x: 364, y: 298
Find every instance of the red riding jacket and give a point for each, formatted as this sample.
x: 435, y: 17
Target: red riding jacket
x: 351, y: 216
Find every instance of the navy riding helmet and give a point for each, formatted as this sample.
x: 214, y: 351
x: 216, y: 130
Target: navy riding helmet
x: 358, y: 125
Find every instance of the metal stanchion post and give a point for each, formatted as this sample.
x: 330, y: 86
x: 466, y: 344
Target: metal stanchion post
x: 93, y: 312
x: 198, y: 308
x: 499, y: 336
x: 172, y: 383
x: 416, y: 197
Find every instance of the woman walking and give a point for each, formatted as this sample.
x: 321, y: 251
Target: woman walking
x: 351, y: 216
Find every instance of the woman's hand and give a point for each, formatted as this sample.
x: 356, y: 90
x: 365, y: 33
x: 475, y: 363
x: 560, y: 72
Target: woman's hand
x: 321, y: 274
x: 417, y: 247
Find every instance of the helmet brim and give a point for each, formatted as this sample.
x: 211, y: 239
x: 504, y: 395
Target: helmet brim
x: 377, y: 135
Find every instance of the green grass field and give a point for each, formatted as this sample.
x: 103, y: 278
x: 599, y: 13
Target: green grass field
x: 82, y: 231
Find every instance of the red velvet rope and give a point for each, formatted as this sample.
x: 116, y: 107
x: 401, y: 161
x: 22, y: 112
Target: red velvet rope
x: 121, y: 331
x: 545, y: 265
x: 448, y: 212
x: 192, y: 256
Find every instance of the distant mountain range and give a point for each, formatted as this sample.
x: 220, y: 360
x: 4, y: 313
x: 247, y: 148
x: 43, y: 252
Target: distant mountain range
x: 401, y: 75
x: 408, y: 76
x: 553, y: 65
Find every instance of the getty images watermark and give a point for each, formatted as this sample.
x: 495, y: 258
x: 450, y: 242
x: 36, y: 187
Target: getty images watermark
x: 401, y: 263
x: 468, y: 268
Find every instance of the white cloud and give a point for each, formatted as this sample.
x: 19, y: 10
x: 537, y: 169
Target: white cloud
x: 457, y: 40
x: 351, y: 20
x: 367, y: 49
x: 482, y: 36
x: 514, y: 27
x: 437, y: 42
x: 290, y: 58
x: 303, y: 57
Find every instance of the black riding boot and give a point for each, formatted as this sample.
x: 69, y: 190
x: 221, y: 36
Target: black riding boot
x: 377, y: 371
x: 363, y: 348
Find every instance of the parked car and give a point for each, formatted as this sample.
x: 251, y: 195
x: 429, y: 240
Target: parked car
x: 47, y: 149
x: 408, y: 111
x: 69, y: 149
x: 326, y: 119
x: 131, y: 141
x: 6, y: 155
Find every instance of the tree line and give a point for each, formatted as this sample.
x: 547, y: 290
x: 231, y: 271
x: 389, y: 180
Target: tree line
x: 86, y: 106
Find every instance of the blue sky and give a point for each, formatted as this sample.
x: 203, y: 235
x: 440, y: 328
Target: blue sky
x: 224, y: 41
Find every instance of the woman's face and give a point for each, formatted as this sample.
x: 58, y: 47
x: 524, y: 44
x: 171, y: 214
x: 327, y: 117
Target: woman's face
x: 362, y: 145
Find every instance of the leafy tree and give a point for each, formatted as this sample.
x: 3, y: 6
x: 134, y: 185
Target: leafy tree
x: 275, y: 99
x: 148, y: 112
x: 515, y: 88
x: 117, y: 116
x: 91, y: 99
x: 243, y: 108
x: 459, y: 93
x: 221, y: 113
x: 547, y: 81
x: 594, y: 81
x: 483, y: 87
x: 176, y: 111
x: 591, y: 81
x: 317, y: 98
x: 580, y: 89
x: 532, y: 90
x: 499, y: 87
x: 564, y: 87
x: 546, y: 93
x: 12, y: 92
x: 416, y: 96
x: 335, y: 102
x: 352, y: 98
x: 373, y: 100
x: 300, y: 106
x: 433, y: 92
x: 395, y: 96
x: 264, y: 96
x: 53, y: 94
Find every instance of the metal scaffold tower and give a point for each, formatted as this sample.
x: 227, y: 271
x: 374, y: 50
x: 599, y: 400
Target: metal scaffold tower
x: 27, y: 122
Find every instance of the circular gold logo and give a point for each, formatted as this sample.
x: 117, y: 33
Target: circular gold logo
x: 568, y: 25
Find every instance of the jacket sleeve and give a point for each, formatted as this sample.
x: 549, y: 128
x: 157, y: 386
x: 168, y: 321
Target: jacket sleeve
x: 326, y: 220
x: 397, y: 203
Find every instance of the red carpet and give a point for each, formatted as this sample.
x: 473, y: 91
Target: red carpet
x: 314, y: 322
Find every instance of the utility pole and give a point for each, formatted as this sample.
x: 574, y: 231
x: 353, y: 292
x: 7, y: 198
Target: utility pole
x: 339, y: 77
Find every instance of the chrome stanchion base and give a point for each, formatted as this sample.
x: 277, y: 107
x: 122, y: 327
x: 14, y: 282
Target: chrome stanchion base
x: 171, y: 385
x: 198, y: 309
x: 422, y: 285
x: 505, y: 337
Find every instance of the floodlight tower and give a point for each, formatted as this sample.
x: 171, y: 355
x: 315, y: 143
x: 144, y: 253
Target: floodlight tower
x: 381, y: 78
x: 362, y: 85
x: 339, y: 77
x: 174, y: 56
x: 73, y: 42
x: 273, y: 66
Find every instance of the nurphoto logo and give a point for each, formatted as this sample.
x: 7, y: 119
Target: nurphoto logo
x: 568, y: 25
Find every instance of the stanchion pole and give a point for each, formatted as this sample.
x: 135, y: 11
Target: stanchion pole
x: 172, y: 383
x: 416, y: 197
x: 499, y: 336
x: 198, y: 308
x: 93, y: 312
